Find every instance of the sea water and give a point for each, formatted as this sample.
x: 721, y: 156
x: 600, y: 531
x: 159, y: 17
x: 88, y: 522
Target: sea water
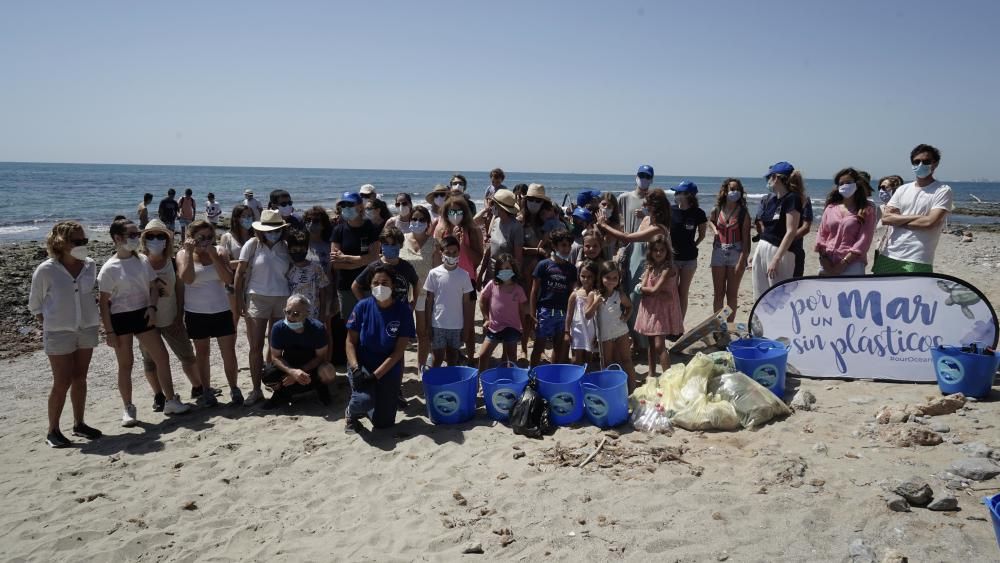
x: 33, y: 196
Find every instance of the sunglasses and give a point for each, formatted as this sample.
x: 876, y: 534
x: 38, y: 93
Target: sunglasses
x: 296, y: 314
x: 159, y: 236
x: 80, y: 241
x: 917, y: 161
x: 645, y: 176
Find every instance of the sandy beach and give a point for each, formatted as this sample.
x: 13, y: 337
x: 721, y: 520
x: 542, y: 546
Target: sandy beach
x: 239, y: 484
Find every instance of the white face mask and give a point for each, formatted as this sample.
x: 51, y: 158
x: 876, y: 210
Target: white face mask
x: 450, y: 261
x: 371, y: 214
x: 131, y: 244
x: 404, y: 209
x: 439, y: 200
x: 643, y: 183
x: 381, y: 292
x: 847, y: 190
x: 417, y: 226
x: 156, y: 247
x: 79, y: 252
x: 534, y: 206
x: 286, y: 210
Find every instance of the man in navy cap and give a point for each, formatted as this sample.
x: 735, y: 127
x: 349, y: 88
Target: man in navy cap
x: 353, y: 245
x: 630, y: 209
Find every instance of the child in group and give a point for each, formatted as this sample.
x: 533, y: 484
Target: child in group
x: 503, y: 304
x: 306, y: 277
x: 592, y: 248
x: 580, y: 325
x: 212, y: 210
x: 447, y: 287
x: 659, y: 313
x: 613, y: 307
x: 553, y: 281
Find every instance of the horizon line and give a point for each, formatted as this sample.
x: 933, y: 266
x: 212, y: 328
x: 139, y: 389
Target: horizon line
x: 459, y: 171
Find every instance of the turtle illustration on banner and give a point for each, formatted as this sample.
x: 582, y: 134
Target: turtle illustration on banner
x: 873, y: 327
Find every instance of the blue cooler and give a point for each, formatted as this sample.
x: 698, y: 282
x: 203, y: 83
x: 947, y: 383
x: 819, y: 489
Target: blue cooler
x: 605, y: 396
x: 559, y: 384
x: 993, y: 505
x: 502, y: 386
x: 450, y: 393
x: 964, y: 372
x: 763, y: 360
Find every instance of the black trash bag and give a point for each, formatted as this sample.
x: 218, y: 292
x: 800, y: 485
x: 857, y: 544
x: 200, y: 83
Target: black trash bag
x: 530, y: 414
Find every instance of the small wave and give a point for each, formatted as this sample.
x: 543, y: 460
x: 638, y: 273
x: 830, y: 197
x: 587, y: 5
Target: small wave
x: 15, y: 229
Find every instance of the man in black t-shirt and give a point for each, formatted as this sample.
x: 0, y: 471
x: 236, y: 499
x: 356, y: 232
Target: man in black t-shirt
x: 353, y: 245
x: 168, y: 210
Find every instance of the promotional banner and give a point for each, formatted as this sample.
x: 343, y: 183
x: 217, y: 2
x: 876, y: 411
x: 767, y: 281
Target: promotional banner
x: 873, y: 327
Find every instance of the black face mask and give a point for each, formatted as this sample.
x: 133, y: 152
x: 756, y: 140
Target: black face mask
x: 297, y: 256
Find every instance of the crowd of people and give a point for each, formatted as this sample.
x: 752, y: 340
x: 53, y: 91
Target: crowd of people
x: 353, y: 286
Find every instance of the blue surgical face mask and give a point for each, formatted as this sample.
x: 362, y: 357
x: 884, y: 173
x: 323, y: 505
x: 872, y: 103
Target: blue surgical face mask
x: 295, y: 325
x: 273, y: 236
x: 505, y: 275
x: 643, y: 183
x: 884, y: 196
x: 246, y: 222
x: 390, y: 251
x: 733, y: 196
x: 349, y: 213
x: 417, y: 226
x: 155, y: 247
x: 922, y: 170
x: 847, y: 190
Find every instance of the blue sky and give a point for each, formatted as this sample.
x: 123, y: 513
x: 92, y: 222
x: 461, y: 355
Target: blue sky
x: 694, y: 88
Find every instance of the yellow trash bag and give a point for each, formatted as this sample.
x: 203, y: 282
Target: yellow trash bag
x: 753, y: 402
x: 686, y: 398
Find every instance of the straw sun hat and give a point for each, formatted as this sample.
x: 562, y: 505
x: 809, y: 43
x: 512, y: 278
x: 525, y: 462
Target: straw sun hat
x: 537, y: 191
x: 270, y: 220
x: 506, y: 201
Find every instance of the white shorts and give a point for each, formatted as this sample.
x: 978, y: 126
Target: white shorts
x: 62, y: 342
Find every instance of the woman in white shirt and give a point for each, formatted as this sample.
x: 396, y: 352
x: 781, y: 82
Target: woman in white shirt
x: 231, y: 242
x: 206, y: 306
x: 128, y: 289
x: 62, y: 300
x: 262, y: 289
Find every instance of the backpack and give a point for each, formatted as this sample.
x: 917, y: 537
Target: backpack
x: 530, y: 414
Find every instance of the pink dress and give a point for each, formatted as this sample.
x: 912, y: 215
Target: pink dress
x: 660, y: 314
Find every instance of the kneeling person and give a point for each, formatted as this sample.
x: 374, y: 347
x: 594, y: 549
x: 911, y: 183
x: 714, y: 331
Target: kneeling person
x: 379, y: 329
x: 298, y: 353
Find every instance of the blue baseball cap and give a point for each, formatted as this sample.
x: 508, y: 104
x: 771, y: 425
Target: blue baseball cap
x: 782, y: 168
x: 583, y: 214
x: 586, y: 196
x: 645, y: 169
x: 686, y: 187
x: 353, y: 198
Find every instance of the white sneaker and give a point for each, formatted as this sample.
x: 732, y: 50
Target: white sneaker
x: 128, y: 416
x: 175, y: 406
x: 255, y: 396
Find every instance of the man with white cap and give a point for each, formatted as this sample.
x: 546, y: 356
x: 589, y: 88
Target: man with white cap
x: 368, y: 191
x: 252, y: 203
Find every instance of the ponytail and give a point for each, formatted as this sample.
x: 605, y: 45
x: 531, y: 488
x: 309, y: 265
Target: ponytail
x: 797, y: 184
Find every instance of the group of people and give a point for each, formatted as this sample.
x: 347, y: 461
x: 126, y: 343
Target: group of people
x: 354, y: 285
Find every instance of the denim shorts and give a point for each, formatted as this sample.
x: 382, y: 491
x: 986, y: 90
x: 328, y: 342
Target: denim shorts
x: 686, y: 264
x: 506, y: 335
x: 551, y: 323
x: 446, y: 338
x: 726, y: 255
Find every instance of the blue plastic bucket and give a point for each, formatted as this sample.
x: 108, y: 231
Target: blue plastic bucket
x: 605, y: 396
x: 560, y: 385
x: 501, y: 387
x: 764, y: 361
x: 993, y: 505
x: 450, y: 393
x: 964, y: 372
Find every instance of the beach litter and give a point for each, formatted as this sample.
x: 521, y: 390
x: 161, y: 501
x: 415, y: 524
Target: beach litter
x: 705, y: 394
